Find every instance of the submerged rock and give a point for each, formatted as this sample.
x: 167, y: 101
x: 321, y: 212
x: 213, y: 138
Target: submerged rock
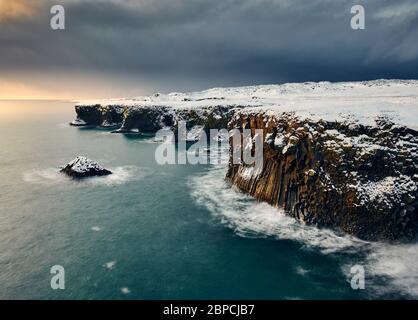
x: 82, y: 167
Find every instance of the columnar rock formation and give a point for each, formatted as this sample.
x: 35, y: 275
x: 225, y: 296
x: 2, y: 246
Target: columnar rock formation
x: 335, y: 155
x: 361, y: 179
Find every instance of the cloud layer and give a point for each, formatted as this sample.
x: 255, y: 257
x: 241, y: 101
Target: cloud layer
x: 179, y: 44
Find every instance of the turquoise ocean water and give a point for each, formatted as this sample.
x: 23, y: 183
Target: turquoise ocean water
x: 160, y: 232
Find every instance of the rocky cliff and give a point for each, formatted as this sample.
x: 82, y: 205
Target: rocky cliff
x: 338, y: 155
x: 360, y: 179
x: 105, y: 116
x: 150, y: 119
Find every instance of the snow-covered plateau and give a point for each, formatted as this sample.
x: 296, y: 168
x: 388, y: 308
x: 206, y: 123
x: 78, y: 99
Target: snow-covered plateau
x: 340, y: 155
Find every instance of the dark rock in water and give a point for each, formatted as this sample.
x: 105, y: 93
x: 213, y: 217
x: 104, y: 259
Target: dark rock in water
x: 81, y: 167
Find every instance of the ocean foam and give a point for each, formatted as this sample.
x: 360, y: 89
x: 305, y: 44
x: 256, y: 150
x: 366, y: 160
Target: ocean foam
x: 52, y: 176
x: 125, y: 290
x: 389, y: 268
x: 110, y: 265
x: 397, y: 264
x: 249, y: 218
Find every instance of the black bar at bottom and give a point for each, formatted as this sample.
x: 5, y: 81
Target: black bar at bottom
x: 206, y: 310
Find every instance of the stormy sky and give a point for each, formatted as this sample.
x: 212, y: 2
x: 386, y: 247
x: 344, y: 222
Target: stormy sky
x: 131, y: 47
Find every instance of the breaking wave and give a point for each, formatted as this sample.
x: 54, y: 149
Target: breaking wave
x: 396, y: 265
x: 390, y: 269
x: 249, y: 218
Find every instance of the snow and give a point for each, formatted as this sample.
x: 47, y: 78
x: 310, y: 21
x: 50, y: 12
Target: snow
x: 362, y: 143
x: 279, y: 142
x: 354, y: 103
x: 386, y: 190
x: 248, y: 173
x: 78, y: 122
x: 107, y: 124
x: 361, y: 102
x: 194, y: 134
x: 83, y: 164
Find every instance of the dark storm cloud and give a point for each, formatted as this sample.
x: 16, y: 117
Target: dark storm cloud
x: 218, y: 41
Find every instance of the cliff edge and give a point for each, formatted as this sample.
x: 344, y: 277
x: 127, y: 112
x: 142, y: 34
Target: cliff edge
x: 339, y: 155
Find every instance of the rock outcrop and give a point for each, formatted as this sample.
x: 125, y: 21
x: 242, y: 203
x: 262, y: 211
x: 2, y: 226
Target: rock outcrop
x: 82, y: 167
x: 150, y: 119
x: 340, y: 155
x: 97, y: 115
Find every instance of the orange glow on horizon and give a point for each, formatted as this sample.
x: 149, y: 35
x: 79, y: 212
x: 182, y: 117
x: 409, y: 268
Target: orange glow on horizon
x: 21, y: 91
x: 11, y: 9
x: 67, y: 86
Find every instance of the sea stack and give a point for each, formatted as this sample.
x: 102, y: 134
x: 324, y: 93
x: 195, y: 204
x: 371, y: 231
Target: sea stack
x: 82, y: 167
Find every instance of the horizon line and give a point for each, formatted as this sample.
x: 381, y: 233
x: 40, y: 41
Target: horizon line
x: 37, y: 99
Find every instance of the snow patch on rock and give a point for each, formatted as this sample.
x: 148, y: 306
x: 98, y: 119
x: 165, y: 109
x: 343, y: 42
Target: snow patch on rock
x: 82, y: 167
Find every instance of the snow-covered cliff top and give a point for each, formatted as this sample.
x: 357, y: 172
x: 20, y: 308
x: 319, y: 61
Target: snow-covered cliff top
x: 357, y: 101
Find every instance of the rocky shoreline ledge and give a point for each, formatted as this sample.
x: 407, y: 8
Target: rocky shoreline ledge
x: 339, y: 155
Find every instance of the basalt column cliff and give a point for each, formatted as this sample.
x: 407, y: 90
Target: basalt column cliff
x: 342, y: 155
x: 360, y: 179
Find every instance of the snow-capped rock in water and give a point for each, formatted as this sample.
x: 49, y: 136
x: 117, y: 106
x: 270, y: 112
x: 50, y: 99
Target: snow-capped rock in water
x: 340, y: 155
x: 82, y: 167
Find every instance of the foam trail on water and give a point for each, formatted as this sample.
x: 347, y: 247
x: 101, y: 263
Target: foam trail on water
x: 44, y: 176
x: 250, y: 218
x: 120, y: 175
x: 110, y: 265
x: 52, y: 176
x: 395, y: 264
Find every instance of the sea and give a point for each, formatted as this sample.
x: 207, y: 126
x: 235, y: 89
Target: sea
x: 152, y: 231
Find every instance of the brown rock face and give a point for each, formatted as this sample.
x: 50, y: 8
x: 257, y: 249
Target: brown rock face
x: 361, y: 180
